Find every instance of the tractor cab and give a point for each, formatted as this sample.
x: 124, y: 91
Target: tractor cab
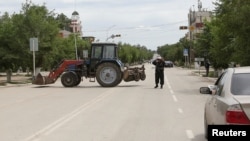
x: 102, y: 52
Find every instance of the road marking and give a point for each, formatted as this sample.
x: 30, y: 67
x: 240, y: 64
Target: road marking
x: 180, y: 110
x: 63, y: 120
x: 169, y: 86
x: 190, y: 134
x: 174, y: 97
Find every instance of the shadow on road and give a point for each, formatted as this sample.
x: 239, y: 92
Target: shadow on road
x: 82, y: 87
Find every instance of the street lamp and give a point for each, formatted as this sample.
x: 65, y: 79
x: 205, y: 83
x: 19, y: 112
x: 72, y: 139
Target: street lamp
x: 109, y: 30
x: 113, y: 36
x: 74, y: 23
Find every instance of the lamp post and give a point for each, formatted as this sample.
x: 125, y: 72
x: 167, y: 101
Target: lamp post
x: 74, y: 22
x: 109, y: 30
x: 75, y: 45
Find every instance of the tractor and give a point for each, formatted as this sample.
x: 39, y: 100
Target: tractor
x: 103, y: 65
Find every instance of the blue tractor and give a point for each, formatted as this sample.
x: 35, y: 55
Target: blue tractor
x: 103, y: 66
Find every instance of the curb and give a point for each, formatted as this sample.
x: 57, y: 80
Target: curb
x: 212, y: 79
x: 14, y: 85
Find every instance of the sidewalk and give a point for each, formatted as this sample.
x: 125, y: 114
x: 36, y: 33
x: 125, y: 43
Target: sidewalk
x: 202, y: 73
x: 16, y: 80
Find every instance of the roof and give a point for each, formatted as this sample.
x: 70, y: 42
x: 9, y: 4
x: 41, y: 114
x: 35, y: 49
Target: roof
x: 245, y: 69
x: 108, y: 43
x: 75, y: 13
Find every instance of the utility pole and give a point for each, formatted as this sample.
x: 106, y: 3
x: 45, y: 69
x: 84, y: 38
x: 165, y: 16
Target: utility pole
x: 109, y: 30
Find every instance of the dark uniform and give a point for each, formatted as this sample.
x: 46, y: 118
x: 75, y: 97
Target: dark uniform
x: 159, y: 71
x: 207, y: 65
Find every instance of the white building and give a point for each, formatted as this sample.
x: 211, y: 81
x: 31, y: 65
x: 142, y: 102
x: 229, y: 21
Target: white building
x: 76, y: 24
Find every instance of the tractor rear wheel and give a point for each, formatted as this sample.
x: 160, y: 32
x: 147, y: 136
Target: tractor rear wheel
x: 108, y: 75
x: 69, y: 79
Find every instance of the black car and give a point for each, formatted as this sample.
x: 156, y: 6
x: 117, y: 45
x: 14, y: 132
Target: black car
x: 169, y: 64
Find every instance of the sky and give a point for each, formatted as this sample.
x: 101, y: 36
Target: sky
x: 149, y: 23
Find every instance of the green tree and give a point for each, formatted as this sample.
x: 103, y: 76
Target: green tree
x: 64, y: 22
x: 231, y: 33
x: 39, y: 22
x: 203, y: 42
x: 133, y: 53
x: 7, y: 49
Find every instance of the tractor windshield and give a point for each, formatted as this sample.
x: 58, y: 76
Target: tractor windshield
x: 97, y: 52
x: 109, y: 52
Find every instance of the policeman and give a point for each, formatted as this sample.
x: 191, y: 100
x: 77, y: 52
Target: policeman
x: 159, y: 71
x: 207, y: 65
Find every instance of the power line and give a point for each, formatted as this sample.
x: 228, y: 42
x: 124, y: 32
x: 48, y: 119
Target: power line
x: 138, y: 27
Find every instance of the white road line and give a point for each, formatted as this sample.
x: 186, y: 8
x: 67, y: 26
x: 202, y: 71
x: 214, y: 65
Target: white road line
x: 180, y: 110
x: 174, y: 97
x: 169, y: 86
x: 190, y: 134
x: 58, y: 123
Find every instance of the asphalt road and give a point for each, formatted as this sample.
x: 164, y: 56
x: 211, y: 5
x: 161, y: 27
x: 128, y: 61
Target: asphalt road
x: 132, y: 111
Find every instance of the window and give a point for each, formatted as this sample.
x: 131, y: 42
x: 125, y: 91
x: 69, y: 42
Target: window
x: 220, y: 83
x: 97, y: 52
x: 109, y: 52
x: 240, y: 84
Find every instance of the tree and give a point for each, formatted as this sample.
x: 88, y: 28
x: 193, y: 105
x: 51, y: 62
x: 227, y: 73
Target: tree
x: 64, y: 22
x: 231, y: 31
x: 39, y: 22
x: 133, y: 53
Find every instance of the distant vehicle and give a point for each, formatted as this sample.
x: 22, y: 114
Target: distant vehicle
x: 169, y: 64
x: 230, y: 99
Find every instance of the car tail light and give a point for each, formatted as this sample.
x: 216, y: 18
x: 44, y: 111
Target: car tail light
x: 235, y: 115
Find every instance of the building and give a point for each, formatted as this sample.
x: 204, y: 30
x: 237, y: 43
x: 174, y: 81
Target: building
x: 76, y: 23
x: 196, y: 21
x: 89, y: 38
x: 75, y: 26
x: 64, y: 33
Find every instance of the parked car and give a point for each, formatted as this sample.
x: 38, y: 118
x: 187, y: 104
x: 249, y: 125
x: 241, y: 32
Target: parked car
x: 229, y: 103
x: 169, y: 64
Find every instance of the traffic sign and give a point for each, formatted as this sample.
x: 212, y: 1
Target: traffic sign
x: 191, y: 28
x: 33, y: 44
x: 185, y: 52
x: 198, y: 59
x: 183, y: 27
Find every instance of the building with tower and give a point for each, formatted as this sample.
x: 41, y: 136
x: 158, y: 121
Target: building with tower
x: 196, y: 21
x: 76, y: 23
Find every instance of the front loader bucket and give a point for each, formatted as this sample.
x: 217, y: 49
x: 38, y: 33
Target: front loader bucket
x: 42, y: 80
x: 134, y: 74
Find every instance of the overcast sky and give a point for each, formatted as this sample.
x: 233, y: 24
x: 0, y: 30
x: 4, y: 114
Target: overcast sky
x: 150, y: 23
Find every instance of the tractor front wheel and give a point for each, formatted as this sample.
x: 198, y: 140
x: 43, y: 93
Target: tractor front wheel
x: 69, y: 79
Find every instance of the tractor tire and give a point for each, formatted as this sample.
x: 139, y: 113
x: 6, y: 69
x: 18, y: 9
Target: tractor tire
x: 108, y: 75
x: 78, y: 80
x: 69, y: 79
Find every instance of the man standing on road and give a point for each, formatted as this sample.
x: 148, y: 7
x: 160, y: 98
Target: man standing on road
x: 159, y: 71
x: 207, y: 65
